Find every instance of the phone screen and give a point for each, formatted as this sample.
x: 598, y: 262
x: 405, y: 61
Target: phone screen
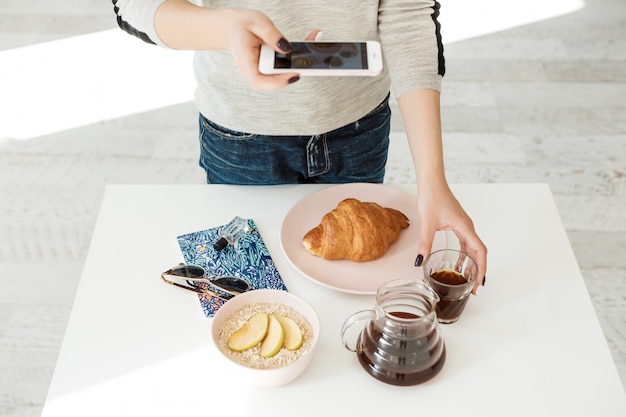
x: 324, y: 55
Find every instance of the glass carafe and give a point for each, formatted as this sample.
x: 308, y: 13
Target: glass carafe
x: 398, y: 341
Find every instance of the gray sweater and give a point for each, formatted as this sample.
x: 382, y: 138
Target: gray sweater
x: 407, y: 29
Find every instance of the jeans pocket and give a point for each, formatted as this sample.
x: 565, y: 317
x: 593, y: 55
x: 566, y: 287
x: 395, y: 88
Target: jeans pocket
x: 210, y: 130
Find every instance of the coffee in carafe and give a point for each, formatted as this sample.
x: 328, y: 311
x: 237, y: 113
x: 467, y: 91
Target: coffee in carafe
x: 398, y: 342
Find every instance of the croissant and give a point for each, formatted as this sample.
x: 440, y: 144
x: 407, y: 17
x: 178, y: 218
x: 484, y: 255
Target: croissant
x: 355, y: 230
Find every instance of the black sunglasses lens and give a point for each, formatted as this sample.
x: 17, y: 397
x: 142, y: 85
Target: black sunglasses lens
x: 232, y: 284
x: 189, y: 271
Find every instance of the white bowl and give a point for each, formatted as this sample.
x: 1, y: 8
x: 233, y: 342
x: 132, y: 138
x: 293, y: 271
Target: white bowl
x: 275, y: 376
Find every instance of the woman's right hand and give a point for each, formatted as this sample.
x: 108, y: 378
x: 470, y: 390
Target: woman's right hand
x: 247, y: 31
x: 184, y: 25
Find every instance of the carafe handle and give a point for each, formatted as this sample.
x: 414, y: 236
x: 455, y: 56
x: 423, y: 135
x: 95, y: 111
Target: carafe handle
x: 352, y: 328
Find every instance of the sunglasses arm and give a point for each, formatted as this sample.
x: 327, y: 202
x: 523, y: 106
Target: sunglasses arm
x: 192, y: 288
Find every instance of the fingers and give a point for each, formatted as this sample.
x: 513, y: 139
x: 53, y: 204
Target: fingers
x: 426, y: 237
x: 469, y: 243
x: 478, y: 251
x: 248, y: 63
x: 260, y: 81
x: 266, y: 32
x: 250, y: 30
x: 472, y: 245
x: 316, y: 35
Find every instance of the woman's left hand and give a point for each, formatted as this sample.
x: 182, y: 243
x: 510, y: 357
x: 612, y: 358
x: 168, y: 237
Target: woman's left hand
x: 440, y: 210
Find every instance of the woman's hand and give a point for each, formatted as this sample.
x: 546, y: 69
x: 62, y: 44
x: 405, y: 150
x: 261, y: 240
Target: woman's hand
x: 183, y: 25
x: 439, y: 210
x: 247, y: 31
x: 251, y: 30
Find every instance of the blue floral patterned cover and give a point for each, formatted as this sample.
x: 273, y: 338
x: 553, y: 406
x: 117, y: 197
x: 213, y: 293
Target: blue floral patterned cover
x: 248, y: 259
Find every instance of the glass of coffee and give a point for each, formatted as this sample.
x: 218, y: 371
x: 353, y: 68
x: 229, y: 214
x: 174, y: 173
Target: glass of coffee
x: 451, y: 274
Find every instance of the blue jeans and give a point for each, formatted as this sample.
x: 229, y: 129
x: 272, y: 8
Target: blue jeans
x: 353, y: 153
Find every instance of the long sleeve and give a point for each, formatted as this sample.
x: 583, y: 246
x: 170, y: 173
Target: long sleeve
x: 410, y: 35
x: 136, y: 17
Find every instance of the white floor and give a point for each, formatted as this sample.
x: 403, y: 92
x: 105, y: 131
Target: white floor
x: 535, y: 92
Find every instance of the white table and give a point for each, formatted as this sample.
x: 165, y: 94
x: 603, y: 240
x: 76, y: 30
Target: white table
x: 528, y: 345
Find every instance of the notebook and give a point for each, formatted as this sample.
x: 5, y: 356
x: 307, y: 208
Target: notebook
x: 248, y: 258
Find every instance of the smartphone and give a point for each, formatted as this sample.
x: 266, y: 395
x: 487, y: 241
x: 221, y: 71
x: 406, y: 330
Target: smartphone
x: 362, y: 58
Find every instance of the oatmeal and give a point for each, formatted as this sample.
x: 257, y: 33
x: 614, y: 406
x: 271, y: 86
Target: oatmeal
x: 252, y: 357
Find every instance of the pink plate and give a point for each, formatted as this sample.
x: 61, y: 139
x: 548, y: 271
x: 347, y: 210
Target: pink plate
x: 348, y: 276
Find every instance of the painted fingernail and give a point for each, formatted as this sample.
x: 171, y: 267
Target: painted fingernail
x: 293, y: 79
x: 484, y: 280
x: 284, y: 45
x: 419, y: 260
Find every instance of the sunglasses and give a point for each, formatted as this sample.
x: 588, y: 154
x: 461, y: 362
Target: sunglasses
x: 187, y: 275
